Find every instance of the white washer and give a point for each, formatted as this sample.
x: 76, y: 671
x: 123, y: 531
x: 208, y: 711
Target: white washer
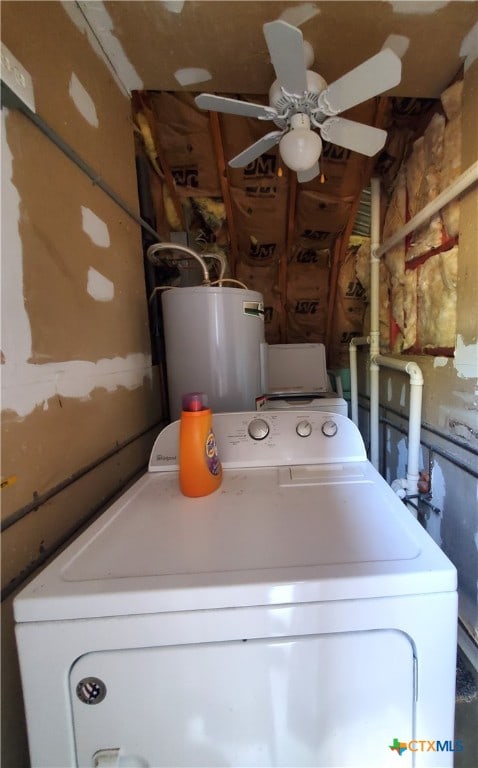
x: 298, y: 616
x: 296, y: 377
x: 315, y: 402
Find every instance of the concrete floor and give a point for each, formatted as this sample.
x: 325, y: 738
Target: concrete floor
x: 466, y: 713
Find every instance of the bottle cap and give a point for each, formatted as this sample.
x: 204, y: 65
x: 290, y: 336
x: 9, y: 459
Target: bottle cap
x: 194, y: 401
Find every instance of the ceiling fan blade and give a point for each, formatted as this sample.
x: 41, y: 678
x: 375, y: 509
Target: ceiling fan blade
x: 355, y: 136
x: 309, y: 174
x: 286, y: 47
x: 376, y: 75
x: 256, y: 149
x: 234, y: 106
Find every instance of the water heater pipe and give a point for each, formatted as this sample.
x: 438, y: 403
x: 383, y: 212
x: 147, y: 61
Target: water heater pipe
x: 158, y: 247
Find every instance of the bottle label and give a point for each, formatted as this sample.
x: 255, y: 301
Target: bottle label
x: 212, y: 457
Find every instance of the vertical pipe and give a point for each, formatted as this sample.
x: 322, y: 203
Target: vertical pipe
x: 374, y: 321
x: 414, y: 426
x: 415, y: 413
x: 353, y: 383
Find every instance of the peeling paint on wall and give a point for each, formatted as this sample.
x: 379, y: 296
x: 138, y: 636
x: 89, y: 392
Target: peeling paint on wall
x: 99, y: 287
x: 466, y: 358
x: 26, y: 385
x: 95, y: 228
x: 403, y: 392
x: 389, y: 389
x: 192, y: 75
x: 438, y: 489
x: 83, y: 101
x: 402, y: 458
x: 440, y: 362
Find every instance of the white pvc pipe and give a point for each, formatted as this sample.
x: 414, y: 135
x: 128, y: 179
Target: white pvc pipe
x: 357, y: 341
x: 374, y: 321
x: 465, y: 180
x: 415, y: 413
x: 374, y: 412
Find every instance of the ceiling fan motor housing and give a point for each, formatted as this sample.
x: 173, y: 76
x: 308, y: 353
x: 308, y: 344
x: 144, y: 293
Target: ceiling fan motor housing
x: 290, y: 103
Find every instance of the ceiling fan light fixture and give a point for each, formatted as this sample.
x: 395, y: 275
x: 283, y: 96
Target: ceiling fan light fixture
x: 300, y: 148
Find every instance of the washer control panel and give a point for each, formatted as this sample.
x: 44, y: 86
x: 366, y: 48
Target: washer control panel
x: 275, y: 438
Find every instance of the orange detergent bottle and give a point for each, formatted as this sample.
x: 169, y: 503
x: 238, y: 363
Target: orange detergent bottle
x: 200, y: 470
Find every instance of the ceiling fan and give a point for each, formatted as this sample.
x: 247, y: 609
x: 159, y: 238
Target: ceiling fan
x: 300, y: 101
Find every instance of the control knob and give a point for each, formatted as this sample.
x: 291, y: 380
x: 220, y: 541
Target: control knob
x: 329, y: 428
x: 304, y: 428
x: 258, y: 429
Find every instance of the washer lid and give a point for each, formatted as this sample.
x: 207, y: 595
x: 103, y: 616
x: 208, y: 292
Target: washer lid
x: 269, y: 535
x: 295, y: 368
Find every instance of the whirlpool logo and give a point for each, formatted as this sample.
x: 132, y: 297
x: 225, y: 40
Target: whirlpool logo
x: 426, y: 745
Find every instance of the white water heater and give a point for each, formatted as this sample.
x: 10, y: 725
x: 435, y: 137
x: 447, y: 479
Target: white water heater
x: 214, y: 340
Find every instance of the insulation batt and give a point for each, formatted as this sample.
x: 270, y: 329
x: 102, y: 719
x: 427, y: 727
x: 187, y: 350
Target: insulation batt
x: 451, y: 164
x: 437, y: 300
x: 423, y: 185
x: 182, y: 132
x: 402, y: 284
x: 351, y: 299
x: 404, y: 300
x: 395, y: 218
x: 384, y: 310
x: 260, y: 226
x: 307, y: 295
x: 362, y: 266
x: 212, y: 211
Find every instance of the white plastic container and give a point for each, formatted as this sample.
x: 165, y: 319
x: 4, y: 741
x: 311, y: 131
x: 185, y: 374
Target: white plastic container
x: 213, y: 338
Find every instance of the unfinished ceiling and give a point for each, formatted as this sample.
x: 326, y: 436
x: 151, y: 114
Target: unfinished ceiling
x: 161, y: 39
x: 288, y: 240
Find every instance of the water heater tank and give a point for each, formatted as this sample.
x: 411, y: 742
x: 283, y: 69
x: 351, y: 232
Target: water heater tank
x: 213, y: 338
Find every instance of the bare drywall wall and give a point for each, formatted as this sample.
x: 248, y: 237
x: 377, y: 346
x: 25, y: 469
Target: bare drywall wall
x: 81, y: 403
